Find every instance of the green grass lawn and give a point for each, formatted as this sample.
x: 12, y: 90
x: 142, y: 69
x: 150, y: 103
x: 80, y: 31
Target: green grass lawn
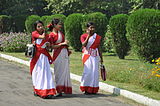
x: 113, y: 64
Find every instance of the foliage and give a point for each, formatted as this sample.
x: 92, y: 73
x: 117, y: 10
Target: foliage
x: 108, y: 7
x: 156, y: 70
x: 64, y: 6
x: 144, y: 34
x: 45, y: 20
x: 14, y: 42
x: 137, y: 4
x: 18, y: 23
x: 73, y: 30
x: 108, y: 45
x: 23, y: 7
x: 100, y: 21
x: 154, y: 4
x: 30, y: 21
x: 5, y: 23
x: 117, y: 25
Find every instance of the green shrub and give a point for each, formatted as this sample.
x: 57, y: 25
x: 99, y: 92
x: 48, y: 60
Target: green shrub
x: 18, y: 23
x: 73, y: 30
x: 30, y: 21
x: 117, y: 25
x: 152, y: 83
x: 5, y: 23
x: 14, y: 42
x: 100, y: 21
x: 143, y: 28
x: 108, y: 45
x: 45, y: 20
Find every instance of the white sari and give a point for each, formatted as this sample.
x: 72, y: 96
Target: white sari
x: 90, y: 77
x: 61, y: 70
x: 41, y: 74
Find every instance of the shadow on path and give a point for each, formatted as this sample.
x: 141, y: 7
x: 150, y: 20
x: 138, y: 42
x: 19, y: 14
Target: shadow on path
x: 86, y: 96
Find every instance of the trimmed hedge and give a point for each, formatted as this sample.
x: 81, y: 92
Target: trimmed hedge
x: 45, y: 20
x: 100, y: 21
x: 73, y: 30
x: 143, y: 28
x: 30, y: 21
x: 5, y: 23
x: 117, y: 25
x: 18, y: 23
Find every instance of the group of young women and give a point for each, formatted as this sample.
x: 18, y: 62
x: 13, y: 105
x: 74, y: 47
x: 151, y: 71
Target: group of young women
x: 42, y: 78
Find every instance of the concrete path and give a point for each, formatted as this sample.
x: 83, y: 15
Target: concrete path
x: 16, y: 90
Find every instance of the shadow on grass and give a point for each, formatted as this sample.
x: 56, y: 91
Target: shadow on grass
x: 132, y: 59
x: 109, y: 55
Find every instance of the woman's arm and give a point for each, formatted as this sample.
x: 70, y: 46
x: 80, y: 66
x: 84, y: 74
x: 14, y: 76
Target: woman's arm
x: 86, y: 41
x: 42, y: 36
x: 100, y: 54
x: 65, y: 43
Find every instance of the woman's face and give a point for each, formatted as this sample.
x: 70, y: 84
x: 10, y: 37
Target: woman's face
x: 40, y: 27
x: 58, y: 26
x: 91, y: 29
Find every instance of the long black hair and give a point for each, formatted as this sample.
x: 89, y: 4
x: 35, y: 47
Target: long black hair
x: 55, y: 21
x: 37, y: 22
x: 90, y: 24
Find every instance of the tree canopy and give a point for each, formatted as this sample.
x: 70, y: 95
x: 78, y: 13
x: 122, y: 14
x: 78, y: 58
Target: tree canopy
x: 66, y: 7
x: 20, y: 7
x: 109, y: 7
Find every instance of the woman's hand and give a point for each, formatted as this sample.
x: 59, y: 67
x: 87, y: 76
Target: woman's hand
x: 101, y: 61
x: 69, y: 52
x: 48, y: 46
x: 65, y: 43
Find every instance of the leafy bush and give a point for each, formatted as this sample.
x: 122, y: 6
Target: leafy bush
x: 45, y: 20
x: 5, y: 23
x: 143, y: 28
x: 30, y: 21
x: 18, y: 23
x: 14, y: 42
x: 117, y: 25
x: 100, y: 21
x: 108, y: 45
x: 152, y: 81
x: 73, y: 30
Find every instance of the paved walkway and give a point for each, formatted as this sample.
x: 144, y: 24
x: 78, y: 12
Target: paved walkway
x: 16, y: 90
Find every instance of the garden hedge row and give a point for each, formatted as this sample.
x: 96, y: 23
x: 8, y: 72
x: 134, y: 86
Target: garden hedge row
x: 117, y: 25
x: 143, y: 28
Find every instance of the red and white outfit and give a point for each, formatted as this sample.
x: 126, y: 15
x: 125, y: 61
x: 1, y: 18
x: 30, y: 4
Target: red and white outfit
x: 90, y: 59
x: 40, y: 68
x: 61, y: 64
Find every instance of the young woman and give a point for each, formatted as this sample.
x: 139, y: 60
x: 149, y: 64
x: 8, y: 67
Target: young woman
x: 40, y: 64
x: 60, y: 58
x: 90, y: 58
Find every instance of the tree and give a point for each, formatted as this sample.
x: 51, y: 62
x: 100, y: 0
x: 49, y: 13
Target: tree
x: 20, y: 7
x: 108, y: 7
x: 137, y: 4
